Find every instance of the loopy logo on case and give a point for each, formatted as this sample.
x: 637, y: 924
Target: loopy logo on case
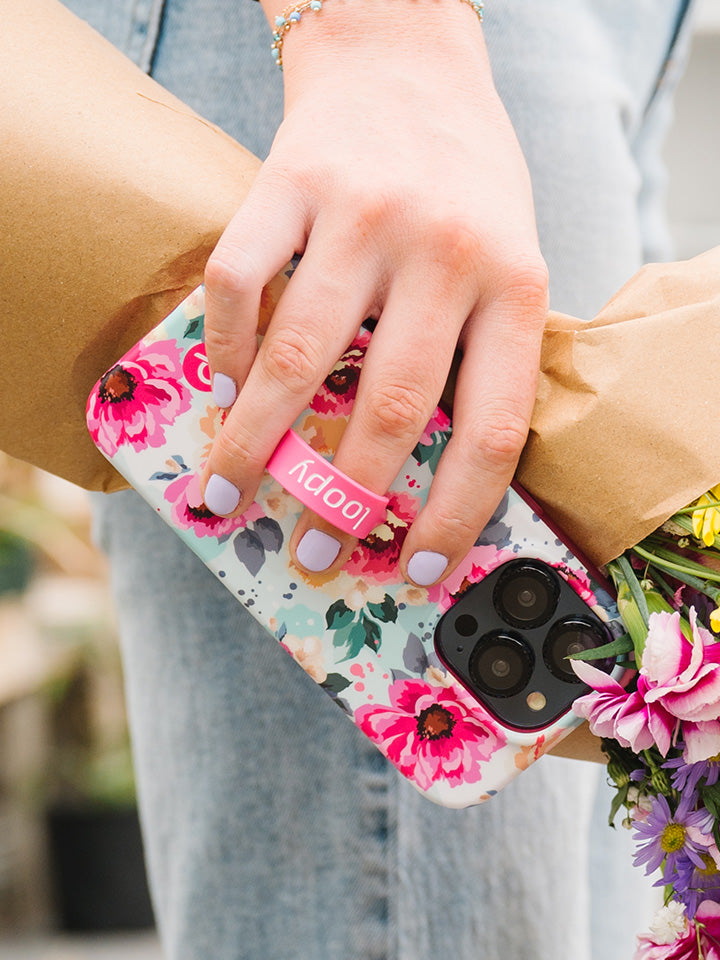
x: 333, y: 497
x: 325, y: 489
x: 196, y: 368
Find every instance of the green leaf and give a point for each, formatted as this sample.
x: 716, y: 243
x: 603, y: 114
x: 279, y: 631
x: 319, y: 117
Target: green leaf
x: 386, y: 611
x: 338, y: 615
x: 430, y: 453
x: 622, y: 645
x: 341, y: 637
x: 356, y: 639
x: 636, y: 591
x: 618, y: 801
x: 631, y: 602
x: 194, y: 329
x: 373, y: 637
x: 335, y: 683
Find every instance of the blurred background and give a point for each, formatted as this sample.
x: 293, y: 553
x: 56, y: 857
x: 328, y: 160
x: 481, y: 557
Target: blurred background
x: 72, y: 883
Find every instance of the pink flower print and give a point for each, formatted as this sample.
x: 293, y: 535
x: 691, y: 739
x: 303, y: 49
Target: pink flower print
x: 478, y: 563
x: 620, y: 715
x: 190, y: 513
x: 579, y: 581
x: 682, y: 675
x: 431, y: 733
x: 439, y: 422
x: 337, y: 394
x: 138, y: 398
x: 376, y: 557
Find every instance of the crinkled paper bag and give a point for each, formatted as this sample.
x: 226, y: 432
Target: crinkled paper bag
x: 112, y: 195
x: 625, y: 427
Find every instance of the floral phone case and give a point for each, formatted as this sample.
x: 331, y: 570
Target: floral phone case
x: 363, y: 634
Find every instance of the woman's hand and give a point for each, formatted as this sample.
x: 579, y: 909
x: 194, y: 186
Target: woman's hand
x: 396, y: 173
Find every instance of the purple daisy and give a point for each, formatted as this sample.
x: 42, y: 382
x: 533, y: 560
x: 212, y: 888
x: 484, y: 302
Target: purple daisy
x: 663, y: 838
x: 692, y: 884
x: 686, y: 776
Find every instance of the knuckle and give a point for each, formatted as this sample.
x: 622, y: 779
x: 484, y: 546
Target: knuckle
x: 398, y: 411
x: 219, y: 342
x: 451, y: 523
x: 229, y: 276
x: 496, y: 441
x: 233, y: 447
x: 377, y: 211
x: 292, y: 358
x: 458, y: 242
x: 526, y: 283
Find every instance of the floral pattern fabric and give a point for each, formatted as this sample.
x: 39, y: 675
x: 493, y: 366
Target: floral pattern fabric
x: 362, y: 633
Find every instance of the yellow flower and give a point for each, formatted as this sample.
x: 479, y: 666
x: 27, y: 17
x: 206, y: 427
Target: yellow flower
x: 715, y: 620
x: 706, y: 520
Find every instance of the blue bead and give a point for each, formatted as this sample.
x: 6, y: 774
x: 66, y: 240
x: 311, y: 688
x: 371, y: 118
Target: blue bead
x: 275, y: 53
x: 294, y: 17
x: 316, y: 4
x: 280, y: 21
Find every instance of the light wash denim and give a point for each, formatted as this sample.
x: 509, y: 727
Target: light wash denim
x: 274, y: 831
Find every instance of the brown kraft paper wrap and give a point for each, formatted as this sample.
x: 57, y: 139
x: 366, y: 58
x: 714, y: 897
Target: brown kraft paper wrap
x: 112, y: 195
x: 624, y: 430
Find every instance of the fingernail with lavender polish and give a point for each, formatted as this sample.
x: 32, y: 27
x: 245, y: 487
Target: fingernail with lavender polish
x: 316, y: 551
x: 426, y: 566
x: 221, y: 496
x: 224, y: 390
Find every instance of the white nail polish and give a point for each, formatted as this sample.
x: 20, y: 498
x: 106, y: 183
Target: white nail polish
x: 426, y: 566
x: 221, y: 496
x: 317, y: 550
x: 224, y: 390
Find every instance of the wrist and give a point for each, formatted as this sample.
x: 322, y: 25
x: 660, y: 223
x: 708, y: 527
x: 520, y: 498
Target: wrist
x: 414, y: 32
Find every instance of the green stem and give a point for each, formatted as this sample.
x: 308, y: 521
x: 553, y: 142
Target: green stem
x: 701, y: 506
x: 634, y: 586
x: 687, y: 568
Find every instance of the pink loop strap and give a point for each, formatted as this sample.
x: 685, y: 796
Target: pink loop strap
x: 327, y: 491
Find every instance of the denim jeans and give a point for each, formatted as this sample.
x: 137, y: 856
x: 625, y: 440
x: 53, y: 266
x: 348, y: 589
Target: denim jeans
x: 273, y: 830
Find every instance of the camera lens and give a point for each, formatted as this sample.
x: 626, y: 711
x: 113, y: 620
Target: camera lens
x: 573, y: 635
x: 526, y: 594
x: 501, y: 664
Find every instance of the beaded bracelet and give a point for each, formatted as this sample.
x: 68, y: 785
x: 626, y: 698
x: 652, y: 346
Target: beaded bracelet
x: 292, y: 14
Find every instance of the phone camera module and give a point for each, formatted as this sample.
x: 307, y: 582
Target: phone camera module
x: 573, y: 635
x: 526, y: 594
x: 501, y: 663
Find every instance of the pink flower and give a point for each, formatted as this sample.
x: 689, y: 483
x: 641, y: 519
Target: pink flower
x: 626, y: 717
x: 337, y: 394
x: 138, y: 398
x: 376, y: 557
x: 431, y: 733
x: 190, y: 513
x: 682, y: 675
x: 702, y: 740
x: 699, y: 941
x: 679, y: 681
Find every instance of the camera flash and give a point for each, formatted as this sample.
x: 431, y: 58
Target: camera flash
x: 536, y: 700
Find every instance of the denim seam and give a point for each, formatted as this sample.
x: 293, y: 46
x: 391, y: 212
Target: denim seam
x: 144, y: 32
x: 674, y: 61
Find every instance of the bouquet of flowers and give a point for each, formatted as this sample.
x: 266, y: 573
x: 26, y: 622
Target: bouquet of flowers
x: 661, y: 731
